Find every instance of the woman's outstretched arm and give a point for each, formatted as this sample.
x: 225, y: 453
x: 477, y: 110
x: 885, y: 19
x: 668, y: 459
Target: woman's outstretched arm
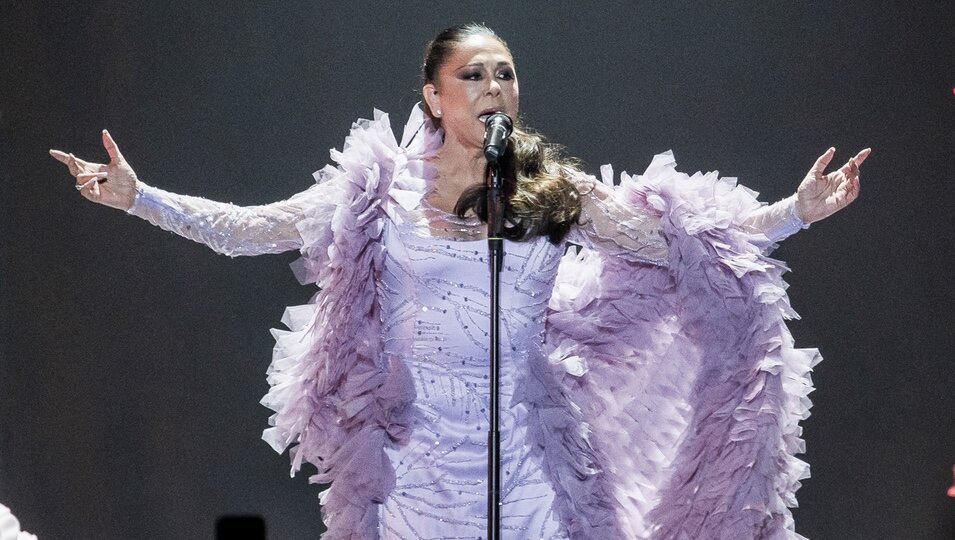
x: 226, y: 228
x: 819, y: 196
x: 622, y: 221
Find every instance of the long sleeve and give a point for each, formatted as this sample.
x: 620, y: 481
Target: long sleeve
x: 622, y: 222
x: 227, y: 228
x: 613, y: 226
x: 777, y: 221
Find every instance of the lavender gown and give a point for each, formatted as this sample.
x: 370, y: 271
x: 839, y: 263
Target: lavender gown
x: 381, y: 381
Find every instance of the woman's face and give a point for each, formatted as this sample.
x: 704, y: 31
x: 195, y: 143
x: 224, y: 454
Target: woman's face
x: 477, y: 79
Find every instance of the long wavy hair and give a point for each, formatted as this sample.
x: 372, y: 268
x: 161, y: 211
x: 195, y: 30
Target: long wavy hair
x: 541, y: 199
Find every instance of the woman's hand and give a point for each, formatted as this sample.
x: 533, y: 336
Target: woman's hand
x: 113, y: 185
x: 821, y: 195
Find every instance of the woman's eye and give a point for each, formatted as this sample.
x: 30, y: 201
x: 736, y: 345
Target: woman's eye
x: 472, y: 76
x: 506, y: 75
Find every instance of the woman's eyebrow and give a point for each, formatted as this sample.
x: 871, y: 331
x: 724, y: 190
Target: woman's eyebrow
x: 481, y: 64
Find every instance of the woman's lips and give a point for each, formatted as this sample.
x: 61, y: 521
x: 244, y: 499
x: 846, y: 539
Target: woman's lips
x: 487, y: 114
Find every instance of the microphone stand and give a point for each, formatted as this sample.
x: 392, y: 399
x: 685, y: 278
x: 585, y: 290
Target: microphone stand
x: 495, y: 246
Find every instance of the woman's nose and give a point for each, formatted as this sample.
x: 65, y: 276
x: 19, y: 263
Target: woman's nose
x: 494, y: 87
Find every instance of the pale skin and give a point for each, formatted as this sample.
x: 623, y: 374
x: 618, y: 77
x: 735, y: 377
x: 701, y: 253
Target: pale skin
x: 479, y: 76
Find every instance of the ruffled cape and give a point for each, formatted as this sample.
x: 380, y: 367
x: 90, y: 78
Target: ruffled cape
x: 685, y: 392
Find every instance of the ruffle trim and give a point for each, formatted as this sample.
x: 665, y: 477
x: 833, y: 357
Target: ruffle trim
x: 687, y: 374
x: 337, y: 400
x: 559, y: 437
x: 10, y: 526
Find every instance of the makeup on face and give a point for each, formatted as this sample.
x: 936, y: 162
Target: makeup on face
x: 478, y: 79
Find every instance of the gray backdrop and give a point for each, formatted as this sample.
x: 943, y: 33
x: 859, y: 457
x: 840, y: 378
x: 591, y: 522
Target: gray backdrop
x: 133, y: 361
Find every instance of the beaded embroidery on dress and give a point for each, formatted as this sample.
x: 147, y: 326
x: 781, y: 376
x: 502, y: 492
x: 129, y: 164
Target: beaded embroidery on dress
x: 434, y: 300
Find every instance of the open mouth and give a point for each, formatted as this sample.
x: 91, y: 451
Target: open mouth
x: 487, y: 114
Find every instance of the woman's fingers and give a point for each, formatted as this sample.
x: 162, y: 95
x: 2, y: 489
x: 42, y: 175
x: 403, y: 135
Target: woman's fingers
x: 83, y: 164
x: 91, y: 186
x: 860, y: 157
x: 855, y: 161
x: 111, y: 148
x: 80, y: 169
x: 73, y: 164
x: 62, y: 157
x: 851, y: 168
x: 86, y: 177
x: 87, y: 184
x: 820, y: 165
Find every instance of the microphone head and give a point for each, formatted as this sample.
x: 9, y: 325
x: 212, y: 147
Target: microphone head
x: 500, y: 119
x: 497, y: 128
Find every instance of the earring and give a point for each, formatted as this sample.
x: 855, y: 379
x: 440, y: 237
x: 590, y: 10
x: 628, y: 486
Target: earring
x: 437, y: 114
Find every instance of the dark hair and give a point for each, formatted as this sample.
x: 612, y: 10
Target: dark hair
x: 541, y: 199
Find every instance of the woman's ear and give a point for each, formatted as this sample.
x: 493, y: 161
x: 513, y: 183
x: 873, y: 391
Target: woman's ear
x: 430, y: 93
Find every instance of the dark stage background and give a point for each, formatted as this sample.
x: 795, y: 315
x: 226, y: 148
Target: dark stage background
x: 133, y: 361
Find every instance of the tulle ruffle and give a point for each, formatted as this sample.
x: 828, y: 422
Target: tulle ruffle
x: 10, y: 526
x: 337, y: 400
x: 686, y: 374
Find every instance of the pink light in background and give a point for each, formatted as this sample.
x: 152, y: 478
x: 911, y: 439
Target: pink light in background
x: 951, y: 490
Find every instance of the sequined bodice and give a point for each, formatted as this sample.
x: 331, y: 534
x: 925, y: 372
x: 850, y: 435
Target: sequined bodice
x: 434, y: 295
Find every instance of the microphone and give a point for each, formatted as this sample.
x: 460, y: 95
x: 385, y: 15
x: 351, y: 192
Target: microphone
x: 497, y: 128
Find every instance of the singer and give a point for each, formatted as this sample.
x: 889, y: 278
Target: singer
x: 649, y: 385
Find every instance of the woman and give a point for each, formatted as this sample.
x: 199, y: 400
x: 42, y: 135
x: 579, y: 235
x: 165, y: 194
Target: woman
x: 650, y: 388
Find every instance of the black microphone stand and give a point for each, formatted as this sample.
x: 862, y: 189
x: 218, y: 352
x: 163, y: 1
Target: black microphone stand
x: 495, y: 246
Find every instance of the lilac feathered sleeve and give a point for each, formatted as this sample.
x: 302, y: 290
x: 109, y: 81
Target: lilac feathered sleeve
x: 682, y: 364
x: 615, y: 222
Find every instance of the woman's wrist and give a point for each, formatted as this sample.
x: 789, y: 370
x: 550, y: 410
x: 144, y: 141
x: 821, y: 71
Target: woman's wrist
x: 779, y: 220
x: 138, y: 194
x: 793, y: 221
x: 798, y: 211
